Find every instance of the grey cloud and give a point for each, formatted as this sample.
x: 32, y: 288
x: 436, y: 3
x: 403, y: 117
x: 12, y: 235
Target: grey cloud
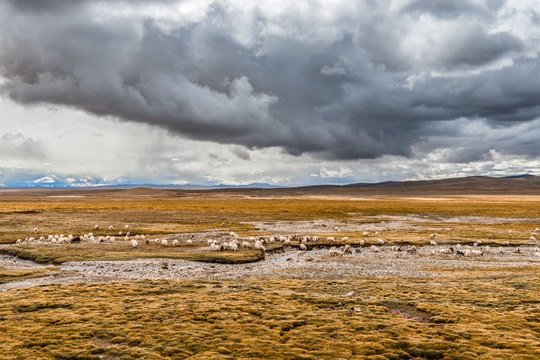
x: 448, y: 8
x: 19, y: 146
x: 477, y: 48
x: 337, y: 93
x: 242, y: 154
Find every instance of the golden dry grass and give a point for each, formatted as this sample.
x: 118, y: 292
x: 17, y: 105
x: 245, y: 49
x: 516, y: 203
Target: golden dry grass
x: 7, y: 275
x: 121, y: 251
x: 476, y: 315
x: 165, y: 215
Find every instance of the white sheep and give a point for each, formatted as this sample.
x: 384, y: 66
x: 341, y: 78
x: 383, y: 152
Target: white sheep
x: 126, y: 227
x: 447, y: 229
x: 432, y: 236
x: 380, y: 241
x: 374, y: 248
x: 157, y: 241
x: 506, y: 243
x: 303, y: 247
x: 175, y: 242
x: 345, y: 238
x: 315, y: 238
x: 348, y: 249
x: 246, y: 245
x: 112, y: 239
x: 365, y: 233
x: 164, y: 242
x: 233, y: 234
x: 434, y: 243
x: 96, y: 227
x: 36, y: 230
x: 330, y: 239
x: 111, y: 227
x: 362, y: 242
x: 189, y: 242
x: 134, y: 243
x: 287, y: 242
x: 233, y: 247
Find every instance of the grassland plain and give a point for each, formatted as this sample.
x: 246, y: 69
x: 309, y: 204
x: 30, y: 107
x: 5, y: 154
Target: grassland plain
x: 469, y: 313
x: 474, y: 315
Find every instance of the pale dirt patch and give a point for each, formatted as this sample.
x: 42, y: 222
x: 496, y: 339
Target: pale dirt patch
x: 380, y: 223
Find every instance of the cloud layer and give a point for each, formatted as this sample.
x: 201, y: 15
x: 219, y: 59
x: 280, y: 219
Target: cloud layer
x: 284, y: 92
x: 337, y: 79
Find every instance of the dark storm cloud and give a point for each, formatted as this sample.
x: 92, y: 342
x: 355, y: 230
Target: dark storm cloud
x: 339, y: 88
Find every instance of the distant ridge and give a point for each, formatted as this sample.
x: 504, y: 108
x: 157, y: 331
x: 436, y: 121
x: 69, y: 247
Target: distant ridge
x: 518, y: 185
x: 518, y: 176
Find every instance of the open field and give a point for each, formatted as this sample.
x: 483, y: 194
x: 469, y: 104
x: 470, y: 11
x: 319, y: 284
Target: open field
x: 112, y: 301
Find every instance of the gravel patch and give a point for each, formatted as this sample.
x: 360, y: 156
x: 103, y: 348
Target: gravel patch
x: 289, y: 264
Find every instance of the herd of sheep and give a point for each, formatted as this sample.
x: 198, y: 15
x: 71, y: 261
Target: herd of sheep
x: 339, y: 247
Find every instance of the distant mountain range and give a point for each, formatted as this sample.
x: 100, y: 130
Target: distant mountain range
x: 515, y: 184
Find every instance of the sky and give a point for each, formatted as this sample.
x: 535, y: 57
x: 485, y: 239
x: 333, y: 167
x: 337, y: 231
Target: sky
x: 280, y: 92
